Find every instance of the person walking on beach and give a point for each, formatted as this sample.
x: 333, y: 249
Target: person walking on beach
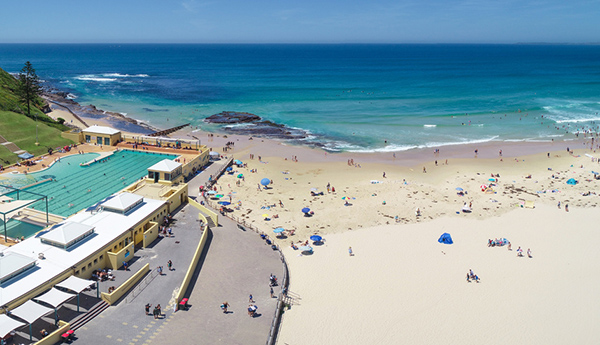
x: 529, y: 252
x: 350, y: 251
x: 250, y: 299
x: 170, y: 265
x: 567, y: 207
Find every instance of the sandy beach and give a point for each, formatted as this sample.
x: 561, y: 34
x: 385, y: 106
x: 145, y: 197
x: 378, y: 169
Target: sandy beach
x: 404, y: 286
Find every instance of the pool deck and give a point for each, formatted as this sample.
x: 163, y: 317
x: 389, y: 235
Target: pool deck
x: 103, y: 155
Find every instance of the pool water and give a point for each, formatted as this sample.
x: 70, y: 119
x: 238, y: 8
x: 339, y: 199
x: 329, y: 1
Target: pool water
x: 76, y: 187
x: 17, y: 229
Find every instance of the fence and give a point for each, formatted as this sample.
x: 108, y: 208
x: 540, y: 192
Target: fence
x: 142, y: 285
x: 219, y: 172
x: 276, y: 323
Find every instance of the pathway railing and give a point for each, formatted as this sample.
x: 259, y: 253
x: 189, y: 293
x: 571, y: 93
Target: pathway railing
x: 142, y: 285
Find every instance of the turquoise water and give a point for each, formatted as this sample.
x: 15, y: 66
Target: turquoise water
x: 17, y: 229
x: 75, y: 187
x: 350, y: 97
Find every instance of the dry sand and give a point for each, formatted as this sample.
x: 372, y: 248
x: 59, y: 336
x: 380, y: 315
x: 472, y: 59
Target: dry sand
x: 402, y: 286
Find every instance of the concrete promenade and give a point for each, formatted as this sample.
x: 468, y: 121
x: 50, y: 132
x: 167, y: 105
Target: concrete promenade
x: 237, y: 264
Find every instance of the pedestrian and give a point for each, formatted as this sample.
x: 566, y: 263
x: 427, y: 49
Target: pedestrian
x: 529, y: 252
x: 567, y: 207
x: 125, y: 265
x: 159, y: 269
x: 350, y: 251
x: 272, y: 292
x: 147, y: 308
x: 384, y: 174
x: 158, y: 310
x: 155, y: 313
x: 170, y: 265
x: 559, y: 204
x: 250, y: 299
x: 224, y: 307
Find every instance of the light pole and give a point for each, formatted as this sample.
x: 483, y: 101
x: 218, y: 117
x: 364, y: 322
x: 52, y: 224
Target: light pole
x: 36, y: 131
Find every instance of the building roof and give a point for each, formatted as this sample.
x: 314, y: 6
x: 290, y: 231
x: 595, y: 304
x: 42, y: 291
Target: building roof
x: 109, y: 226
x: 66, y: 233
x: 55, y: 297
x: 123, y: 202
x: 14, y: 262
x: 30, y: 311
x: 75, y: 284
x: 101, y: 130
x: 166, y: 165
x: 8, y: 325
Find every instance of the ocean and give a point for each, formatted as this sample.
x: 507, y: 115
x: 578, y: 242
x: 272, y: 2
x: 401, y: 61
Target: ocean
x: 358, y: 98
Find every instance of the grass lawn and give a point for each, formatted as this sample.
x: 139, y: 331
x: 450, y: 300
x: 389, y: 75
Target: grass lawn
x: 20, y: 130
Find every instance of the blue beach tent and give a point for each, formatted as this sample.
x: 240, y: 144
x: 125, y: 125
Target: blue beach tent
x: 572, y: 181
x: 445, y: 238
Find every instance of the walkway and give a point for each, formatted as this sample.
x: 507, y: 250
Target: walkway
x: 237, y: 264
x: 12, y: 147
x: 126, y: 321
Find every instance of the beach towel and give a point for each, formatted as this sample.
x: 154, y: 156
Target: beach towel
x: 529, y: 204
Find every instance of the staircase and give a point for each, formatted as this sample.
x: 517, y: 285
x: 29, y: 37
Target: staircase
x: 87, y: 317
x: 11, y: 146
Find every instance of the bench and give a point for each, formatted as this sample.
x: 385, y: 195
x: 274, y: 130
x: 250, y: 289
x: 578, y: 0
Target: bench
x: 183, y: 304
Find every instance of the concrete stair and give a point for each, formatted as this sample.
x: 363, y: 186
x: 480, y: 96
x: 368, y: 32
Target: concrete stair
x: 87, y: 317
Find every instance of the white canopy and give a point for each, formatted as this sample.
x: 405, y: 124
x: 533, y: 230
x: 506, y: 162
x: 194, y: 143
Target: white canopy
x: 8, y: 325
x: 75, y: 284
x: 55, y: 297
x: 30, y: 311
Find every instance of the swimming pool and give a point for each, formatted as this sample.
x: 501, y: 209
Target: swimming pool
x: 74, y: 187
x: 16, y: 228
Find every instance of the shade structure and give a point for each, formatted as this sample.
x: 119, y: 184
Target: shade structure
x: 8, y: 325
x: 31, y: 311
x: 211, y: 192
x: 305, y: 210
x: 316, y: 238
x: 238, y: 162
x: 240, y: 175
x: 445, y: 238
x: 306, y: 248
x: 55, y: 297
x: 459, y: 189
x: 214, y: 154
x: 224, y: 203
x: 265, y: 181
x: 25, y: 155
x: 75, y: 284
x: 279, y: 230
x: 229, y: 169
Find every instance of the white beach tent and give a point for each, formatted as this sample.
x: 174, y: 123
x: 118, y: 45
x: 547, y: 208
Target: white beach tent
x: 30, y: 312
x: 77, y: 285
x: 8, y: 325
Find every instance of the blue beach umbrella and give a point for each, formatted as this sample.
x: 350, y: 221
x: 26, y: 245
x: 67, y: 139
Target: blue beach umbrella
x: 459, y: 189
x: 240, y: 175
x: 238, y: 162
x: 224, y: 203
x: 492, y: 180
x: 265, y: 182
x: 211, y: 192
x: 305, y: 210
x: 229, y: 169
x: 279, y: 230
x: 316, y: 238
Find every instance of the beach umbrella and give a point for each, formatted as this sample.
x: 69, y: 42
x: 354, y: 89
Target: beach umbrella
x: 306, y: 248
x: 240, y: 175
x: 238, y: 162
x: 316, y: 238
x: 219, y: 196
x: 279, y: 230
x: 492, y: 180
x: 459, y: 189
x: 265, y: 215
x: 211, y: 192
x: 305, y: 210
x: 265, y: 182
x: 572, y: 181
x: 224, y: 203
x: 229, y: 169
x: 313, y: 189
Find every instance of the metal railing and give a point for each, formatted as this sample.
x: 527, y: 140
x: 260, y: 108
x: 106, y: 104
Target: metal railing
x: 141, y: 285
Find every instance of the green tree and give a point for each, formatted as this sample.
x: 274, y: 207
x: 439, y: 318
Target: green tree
x: 28, y: 90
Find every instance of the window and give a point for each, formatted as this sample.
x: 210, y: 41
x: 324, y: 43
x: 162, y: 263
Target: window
x: 77, y: 272
x: 101, y: 257
x: 167, y: 177
x: 95, y: 261
x: 150, y: 174
x: 106, y: 141
x: 87, y: 138
x: 83, y: 269
x: 90, y: 265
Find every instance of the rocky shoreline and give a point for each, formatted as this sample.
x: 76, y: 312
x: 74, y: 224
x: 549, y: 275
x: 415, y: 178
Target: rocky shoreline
x: 253, y: 125
x: 119, y: 121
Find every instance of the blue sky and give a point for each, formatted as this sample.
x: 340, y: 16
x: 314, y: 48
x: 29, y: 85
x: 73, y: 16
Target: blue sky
x: 300, y: 21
